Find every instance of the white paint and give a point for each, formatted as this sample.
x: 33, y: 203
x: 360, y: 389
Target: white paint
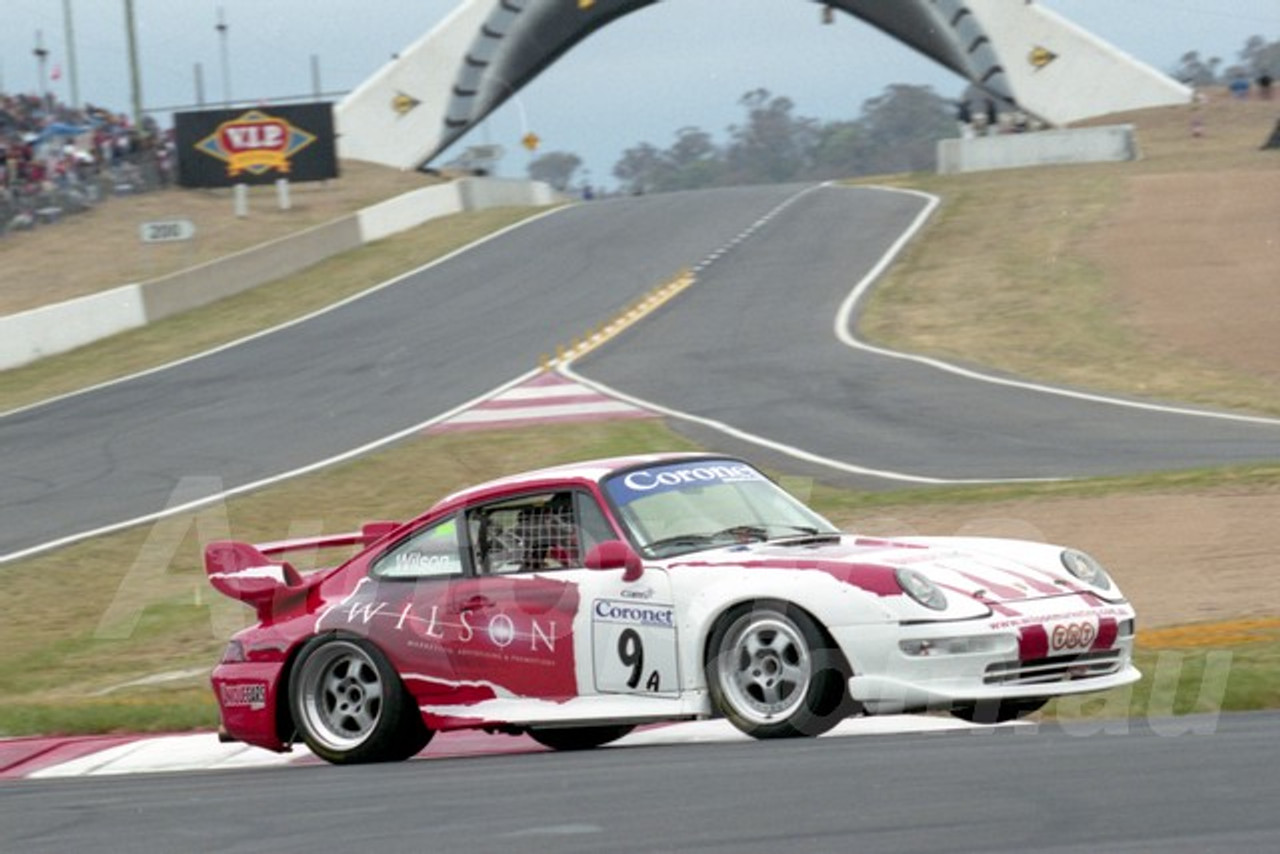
x: 481, y: 415
x: 164, y: 231
x: 1089, y: 77
x: 408, y: 210
x: 368, y: 124
x: 31, y: 335
x: 203, y: 751
x: 1041, y: 148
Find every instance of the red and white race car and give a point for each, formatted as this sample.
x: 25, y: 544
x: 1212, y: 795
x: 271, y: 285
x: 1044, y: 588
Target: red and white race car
x: 574, y: 603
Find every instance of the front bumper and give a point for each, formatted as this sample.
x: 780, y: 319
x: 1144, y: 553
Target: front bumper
x: 1055, y: 652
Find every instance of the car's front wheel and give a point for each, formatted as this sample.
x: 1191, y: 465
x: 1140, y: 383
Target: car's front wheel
x: 350, y: 705
x: 773, y: 673
x: 578, y: 738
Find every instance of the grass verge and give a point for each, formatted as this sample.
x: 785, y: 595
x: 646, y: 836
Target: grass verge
x: 253, y: 311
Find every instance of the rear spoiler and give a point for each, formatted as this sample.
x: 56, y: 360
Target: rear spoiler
x: 248, y: 573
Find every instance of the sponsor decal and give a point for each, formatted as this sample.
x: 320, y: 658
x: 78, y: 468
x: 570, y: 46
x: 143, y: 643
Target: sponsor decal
x: 679, y: 476
x: 461, y: 628
x: 634, y: 647
x: 222, y: 148
x: 251, y: 694
x: 629, y: 613
x: 256, y: 142
x: 1087, y: 614
x: 1040, y: 57
x: 419, y: 563
x: 403, y: 104
x: 1067, y: 637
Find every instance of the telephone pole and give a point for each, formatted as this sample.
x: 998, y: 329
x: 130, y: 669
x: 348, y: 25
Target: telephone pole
x: 70, y: 31
x: 135, y: 78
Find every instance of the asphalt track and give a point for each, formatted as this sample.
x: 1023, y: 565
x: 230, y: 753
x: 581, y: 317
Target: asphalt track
x: 752, y: 345
x: 1173, y: 786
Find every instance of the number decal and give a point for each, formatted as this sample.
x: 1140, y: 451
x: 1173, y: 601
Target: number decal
x: 634, y: 646
x: 631, y: 651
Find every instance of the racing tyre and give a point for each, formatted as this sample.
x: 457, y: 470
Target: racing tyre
x: 350, y: 705
x: 774, y: 673
x: 578, y: 738
x: 998, y: 712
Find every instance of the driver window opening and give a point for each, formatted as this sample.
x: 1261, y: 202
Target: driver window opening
x: 535, y: 533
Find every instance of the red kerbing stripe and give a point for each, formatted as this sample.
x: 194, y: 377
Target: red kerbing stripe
x: 1033, y: 643
x: 1108, y: 629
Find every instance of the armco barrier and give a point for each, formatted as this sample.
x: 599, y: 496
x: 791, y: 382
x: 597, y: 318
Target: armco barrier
x: 31, y: 335
x: 1037, y: 148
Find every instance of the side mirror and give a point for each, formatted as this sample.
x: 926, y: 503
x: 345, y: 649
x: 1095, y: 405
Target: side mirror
x: 615, y: 554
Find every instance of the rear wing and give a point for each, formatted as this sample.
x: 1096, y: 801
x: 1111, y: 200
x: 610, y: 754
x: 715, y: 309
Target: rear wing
x: 249, y: 573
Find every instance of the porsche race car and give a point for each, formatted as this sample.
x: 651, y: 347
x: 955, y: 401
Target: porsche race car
x: 577, y: 602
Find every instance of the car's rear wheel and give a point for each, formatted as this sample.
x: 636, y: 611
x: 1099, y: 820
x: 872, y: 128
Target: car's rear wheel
x: 350, y: 705
x: 578, y: 738
x: 998, y: 711
x: 773, y: 672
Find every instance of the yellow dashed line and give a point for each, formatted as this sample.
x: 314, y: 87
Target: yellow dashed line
x: 628, y: 317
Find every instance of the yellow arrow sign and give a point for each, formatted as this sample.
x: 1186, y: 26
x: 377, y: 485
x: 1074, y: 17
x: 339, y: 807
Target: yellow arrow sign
x: 530, y: 141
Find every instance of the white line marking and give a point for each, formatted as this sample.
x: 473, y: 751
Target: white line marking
x: 850, y: 304
x: 266, y: 481
x: 544, y: 392
x: 297, y: 320
x: 481, y: 415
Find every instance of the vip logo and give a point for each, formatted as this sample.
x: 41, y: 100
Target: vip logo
x: 255, y: 143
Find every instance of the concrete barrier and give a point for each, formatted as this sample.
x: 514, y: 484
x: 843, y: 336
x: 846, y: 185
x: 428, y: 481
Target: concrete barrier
x: 31, y: 335
x: 224, y: 277
x: 1039, y: 148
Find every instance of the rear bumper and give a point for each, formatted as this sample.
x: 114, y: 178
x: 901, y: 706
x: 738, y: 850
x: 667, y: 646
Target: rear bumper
x: 248, y: 695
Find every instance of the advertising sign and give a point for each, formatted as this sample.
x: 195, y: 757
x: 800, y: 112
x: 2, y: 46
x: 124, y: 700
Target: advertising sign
x: 222, y: 148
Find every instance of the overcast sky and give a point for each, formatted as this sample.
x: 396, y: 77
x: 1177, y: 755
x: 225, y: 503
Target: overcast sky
x: 674, y: 64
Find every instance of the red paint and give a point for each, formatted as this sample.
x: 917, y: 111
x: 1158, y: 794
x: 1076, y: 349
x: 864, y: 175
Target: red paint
x: 1033, y: 643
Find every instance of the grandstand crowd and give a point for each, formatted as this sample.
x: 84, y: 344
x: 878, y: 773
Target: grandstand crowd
x: 57, y: 160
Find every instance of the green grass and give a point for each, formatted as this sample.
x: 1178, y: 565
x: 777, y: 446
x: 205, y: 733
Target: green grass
x: 1181, y: 682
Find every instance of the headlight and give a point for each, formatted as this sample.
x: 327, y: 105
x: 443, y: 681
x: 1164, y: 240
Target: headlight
x: 1086, y: 569
x: 921, y: 589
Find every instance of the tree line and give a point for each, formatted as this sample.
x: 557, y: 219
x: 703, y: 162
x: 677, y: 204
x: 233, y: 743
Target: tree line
x: 896, y: 131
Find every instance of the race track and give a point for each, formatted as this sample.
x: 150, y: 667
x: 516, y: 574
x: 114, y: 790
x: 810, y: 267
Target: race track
x: 751, y: 345
x: 1174, y: 786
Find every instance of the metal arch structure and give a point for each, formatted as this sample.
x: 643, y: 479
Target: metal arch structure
x: 485, y: 51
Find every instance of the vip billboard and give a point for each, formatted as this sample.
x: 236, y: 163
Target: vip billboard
x: 221, y: 148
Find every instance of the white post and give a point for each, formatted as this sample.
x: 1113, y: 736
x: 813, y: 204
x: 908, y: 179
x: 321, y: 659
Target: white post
x: 241, y: 195
x: 282, y: 193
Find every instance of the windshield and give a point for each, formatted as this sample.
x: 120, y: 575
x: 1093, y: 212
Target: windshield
x: 699, y: 504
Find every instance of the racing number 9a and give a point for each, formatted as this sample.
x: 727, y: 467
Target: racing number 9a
x: 634, y: 647
x: 631, y: 651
